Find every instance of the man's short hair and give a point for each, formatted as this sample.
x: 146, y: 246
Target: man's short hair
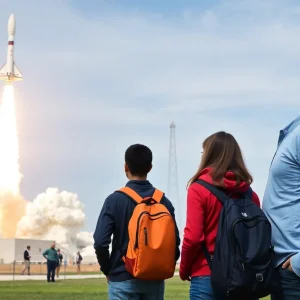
x: 138, y: 159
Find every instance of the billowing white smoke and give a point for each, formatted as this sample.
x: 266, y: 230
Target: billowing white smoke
x: 89, y: 253
x: 58, y: 216
x: 84, y: 239
x: 53, y: 215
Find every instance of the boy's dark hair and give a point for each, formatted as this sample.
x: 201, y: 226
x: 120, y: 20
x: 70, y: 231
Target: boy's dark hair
x: 138, y: 159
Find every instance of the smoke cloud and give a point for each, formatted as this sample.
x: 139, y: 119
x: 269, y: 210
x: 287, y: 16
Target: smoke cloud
x: 85, y: 238
x: 12, y: 209
x: 55, y: 215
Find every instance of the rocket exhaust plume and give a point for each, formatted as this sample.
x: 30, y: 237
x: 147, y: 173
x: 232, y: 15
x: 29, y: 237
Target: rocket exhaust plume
x: 10, y: 176
x: 52, y: 215
x: 12, y: 205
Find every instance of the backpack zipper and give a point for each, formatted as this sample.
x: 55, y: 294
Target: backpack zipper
x: 146, y: 236
x: 233, y: 236
x: 138, y: 224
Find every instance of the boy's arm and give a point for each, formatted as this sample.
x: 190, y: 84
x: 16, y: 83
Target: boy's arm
x: 171, y: 209
x: 102, y: 236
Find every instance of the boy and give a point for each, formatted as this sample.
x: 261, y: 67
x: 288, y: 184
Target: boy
x: 114, y: 218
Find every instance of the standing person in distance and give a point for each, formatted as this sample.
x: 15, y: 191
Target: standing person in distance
x: 222, y: 165
x: 26, y: 261
x: 78, y: 262
x: 115, y: 219
x: 52, y: 260
x: 59, y: 262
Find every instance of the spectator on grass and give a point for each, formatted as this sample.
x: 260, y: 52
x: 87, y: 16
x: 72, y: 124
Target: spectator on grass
x: 52, y: 260
x: 221, y: 165
x: 59, y: 262
x: 26, y: 261
x: 114, y: 219
x: 281, y: 205
x: 78, y: 262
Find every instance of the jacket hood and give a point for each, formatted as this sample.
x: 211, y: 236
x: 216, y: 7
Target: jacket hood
x: 229, y: 181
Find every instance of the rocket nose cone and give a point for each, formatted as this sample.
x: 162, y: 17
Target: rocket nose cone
x: 11, y: 28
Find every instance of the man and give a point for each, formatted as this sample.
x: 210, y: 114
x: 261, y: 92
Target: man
x: 59, y: 263
x: 114, y: 218
x: 281, y: 204
x: 52, y: 260
x: 26, y: 261
x: 78, y: 262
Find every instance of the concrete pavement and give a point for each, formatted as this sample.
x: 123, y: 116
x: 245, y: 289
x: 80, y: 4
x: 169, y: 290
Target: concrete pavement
x: 43, y: 277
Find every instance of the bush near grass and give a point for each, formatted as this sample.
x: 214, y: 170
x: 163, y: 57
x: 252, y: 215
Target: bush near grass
x: 81, y: 289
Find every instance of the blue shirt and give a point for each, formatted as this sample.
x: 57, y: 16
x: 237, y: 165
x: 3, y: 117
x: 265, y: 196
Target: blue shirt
x: 281, y: 202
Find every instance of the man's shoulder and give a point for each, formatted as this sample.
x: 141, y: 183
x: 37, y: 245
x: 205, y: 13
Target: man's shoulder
x: 114, y: 197
x: 165, y: 201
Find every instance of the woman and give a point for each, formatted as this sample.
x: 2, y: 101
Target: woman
x: 222, y: 165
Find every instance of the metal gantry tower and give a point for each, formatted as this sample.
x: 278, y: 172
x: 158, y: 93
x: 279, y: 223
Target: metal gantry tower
x: 173, y: 190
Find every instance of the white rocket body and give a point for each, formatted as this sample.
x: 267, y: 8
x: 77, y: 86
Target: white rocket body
x: 9, y: 72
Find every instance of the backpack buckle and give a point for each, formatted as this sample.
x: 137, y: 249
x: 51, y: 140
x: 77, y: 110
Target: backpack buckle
x: 259, y: 277
x: 149, y: 201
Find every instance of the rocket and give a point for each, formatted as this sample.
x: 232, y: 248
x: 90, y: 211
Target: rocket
x: 9, y: 72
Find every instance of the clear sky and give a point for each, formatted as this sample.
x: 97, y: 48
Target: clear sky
x: 101, y: 75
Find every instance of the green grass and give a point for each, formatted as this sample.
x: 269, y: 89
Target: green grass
x: 82, y: 289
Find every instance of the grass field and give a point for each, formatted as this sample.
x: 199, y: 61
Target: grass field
x: 82, y: 289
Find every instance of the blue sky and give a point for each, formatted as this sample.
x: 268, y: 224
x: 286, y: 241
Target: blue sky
x: 101, y: 75
x: 166, y: 8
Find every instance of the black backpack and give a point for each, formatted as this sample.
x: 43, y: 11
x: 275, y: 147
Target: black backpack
x: 242, y: 262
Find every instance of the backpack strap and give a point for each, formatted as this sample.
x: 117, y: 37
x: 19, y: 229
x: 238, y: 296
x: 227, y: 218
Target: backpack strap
x: 221, y: 196
x: 133, y: 195
x: 157, y: 195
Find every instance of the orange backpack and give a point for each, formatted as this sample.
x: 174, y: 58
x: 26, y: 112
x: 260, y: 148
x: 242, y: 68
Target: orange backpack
x: 152, y: 239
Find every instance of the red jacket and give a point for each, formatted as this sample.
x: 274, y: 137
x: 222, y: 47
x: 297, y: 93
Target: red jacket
x: 203, y: 211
